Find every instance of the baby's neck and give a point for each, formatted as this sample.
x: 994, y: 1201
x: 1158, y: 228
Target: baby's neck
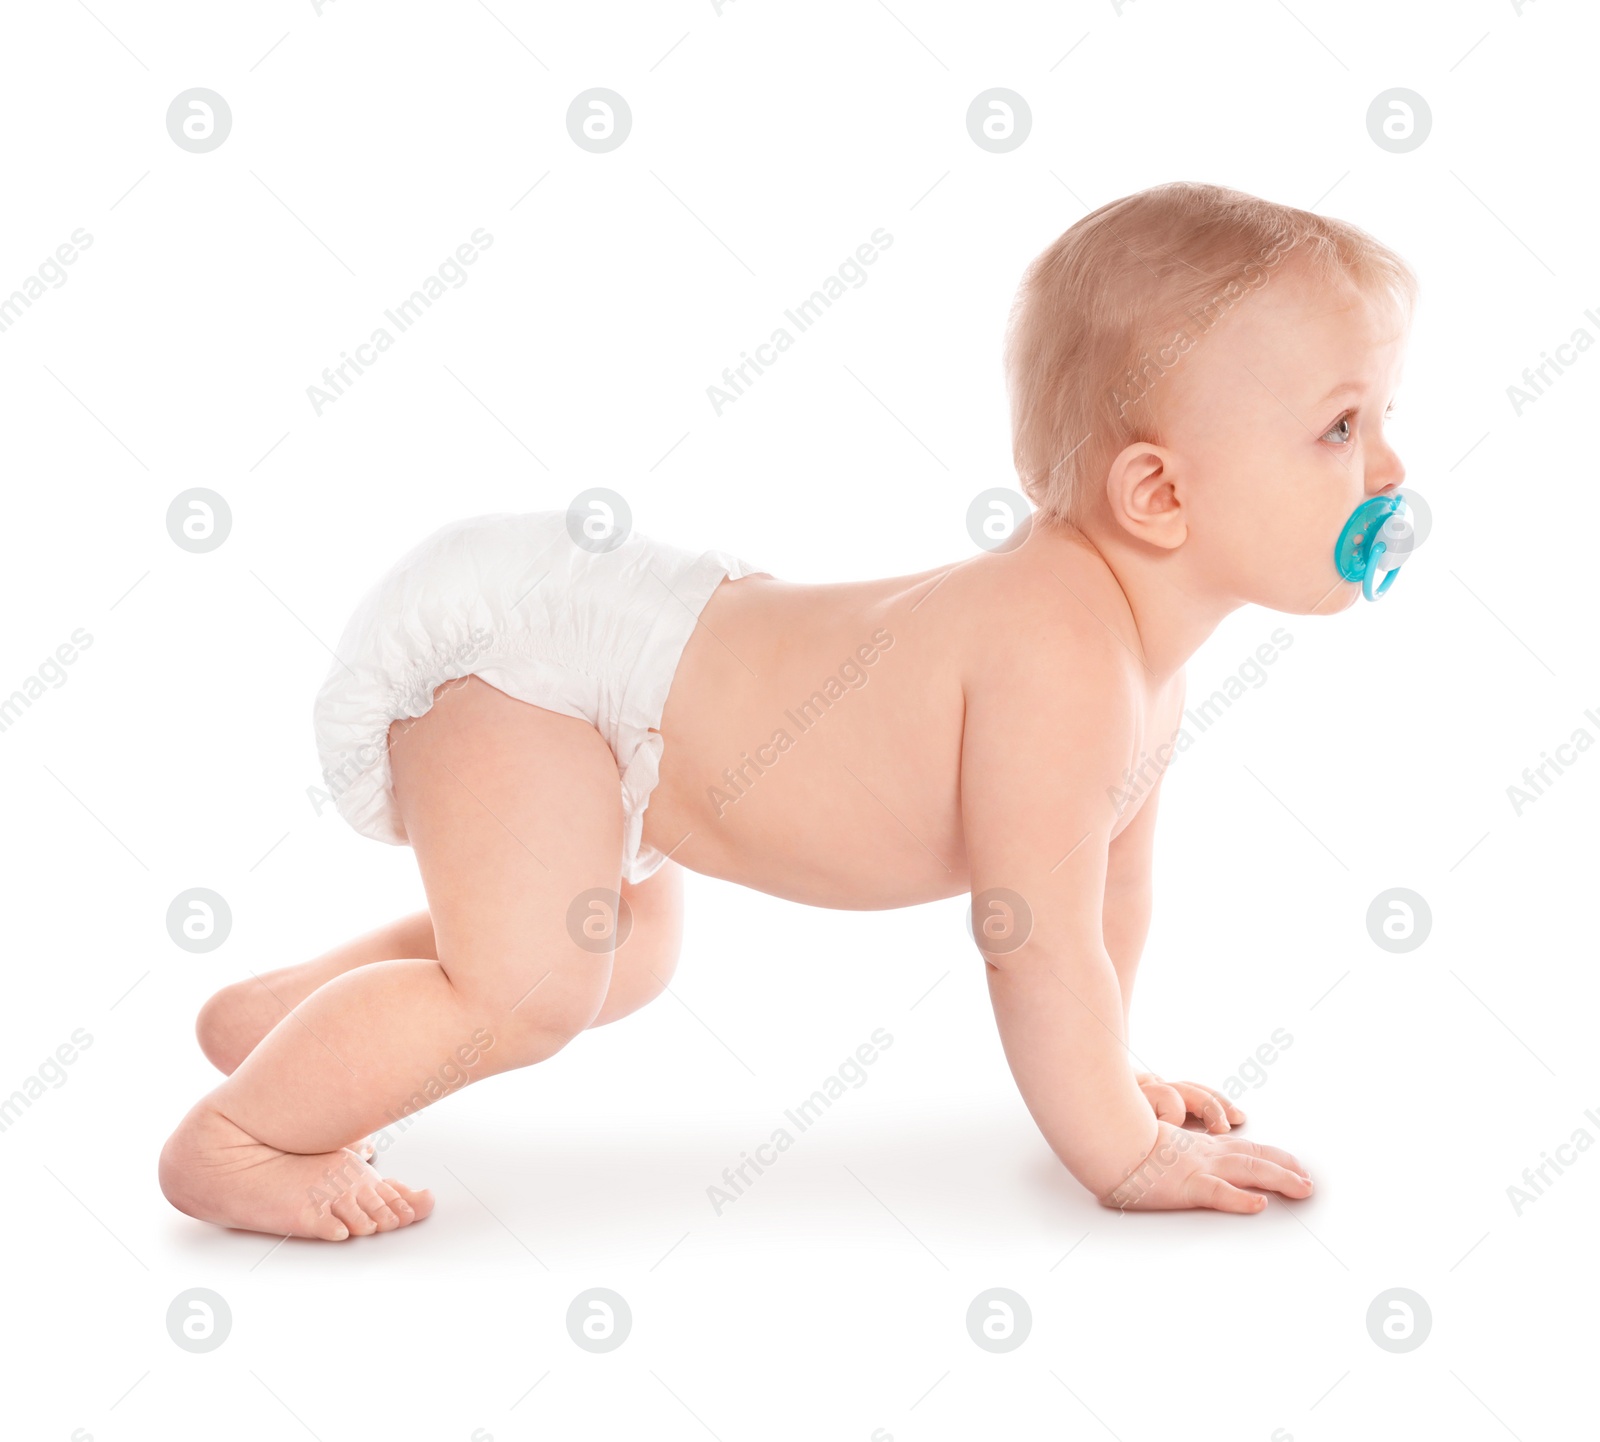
x: 1167, y: 618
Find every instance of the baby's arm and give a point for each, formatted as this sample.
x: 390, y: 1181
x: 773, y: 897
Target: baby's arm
x: 1125, y: 909
x: 1125, y: 923
x: 1037, y: 820
x: 1043, y: 751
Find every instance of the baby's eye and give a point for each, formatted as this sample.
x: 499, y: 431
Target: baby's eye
x: 1339, y: 431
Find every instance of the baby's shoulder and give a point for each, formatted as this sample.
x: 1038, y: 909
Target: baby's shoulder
x: 1056, y: 702
x: 1047, y: 633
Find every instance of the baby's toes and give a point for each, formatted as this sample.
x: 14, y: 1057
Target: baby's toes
x: 328, y: 1227
x: 348, y: 1209
x: 377, y: 1208
x: 420, y: 1201
x: 397, y: 1204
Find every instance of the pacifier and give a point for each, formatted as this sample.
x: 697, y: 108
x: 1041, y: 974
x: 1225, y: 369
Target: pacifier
x: 1376, y: 541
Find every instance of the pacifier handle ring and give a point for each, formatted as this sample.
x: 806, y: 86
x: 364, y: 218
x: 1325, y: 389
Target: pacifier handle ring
x: 1372, y: 570
x: 1367, y: 589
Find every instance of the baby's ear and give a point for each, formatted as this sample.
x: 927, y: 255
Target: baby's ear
x: 1143, y: 495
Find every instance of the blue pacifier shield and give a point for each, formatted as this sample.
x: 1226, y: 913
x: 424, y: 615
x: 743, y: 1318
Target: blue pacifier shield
x: 1375, y: 542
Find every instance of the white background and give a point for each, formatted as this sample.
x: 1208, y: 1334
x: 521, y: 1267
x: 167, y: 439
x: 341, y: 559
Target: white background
x: 767, y: 143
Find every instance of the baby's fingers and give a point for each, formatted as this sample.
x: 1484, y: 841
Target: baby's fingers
x: 1248, y: 1171
x: 1206, y: 1189
x: 1168, y: 1103
x: 1218, y: 1113
x: 1261, y: 1149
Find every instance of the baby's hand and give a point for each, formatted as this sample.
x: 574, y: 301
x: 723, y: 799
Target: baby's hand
x: 1192, y: 1169
x: 1174, y: 1101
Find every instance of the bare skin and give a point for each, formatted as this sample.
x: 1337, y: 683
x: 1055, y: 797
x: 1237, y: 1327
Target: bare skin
x: 237, y: 1019
x: 971, y: 729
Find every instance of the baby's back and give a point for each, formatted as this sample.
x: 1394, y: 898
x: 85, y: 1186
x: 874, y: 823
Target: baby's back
x: 814, y: 734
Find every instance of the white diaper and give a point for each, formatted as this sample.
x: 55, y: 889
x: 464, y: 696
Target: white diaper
x: 514, y: 599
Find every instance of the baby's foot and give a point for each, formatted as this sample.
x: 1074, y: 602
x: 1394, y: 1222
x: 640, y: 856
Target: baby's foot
x: 218, y: 1172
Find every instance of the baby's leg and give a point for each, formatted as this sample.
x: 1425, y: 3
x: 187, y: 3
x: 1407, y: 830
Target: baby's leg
x: 643, y: 965
x: 513, y: 813
x: 233, y: 1022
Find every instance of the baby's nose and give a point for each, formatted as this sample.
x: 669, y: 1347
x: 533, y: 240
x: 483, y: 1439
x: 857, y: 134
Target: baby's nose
x: 1385, y: 473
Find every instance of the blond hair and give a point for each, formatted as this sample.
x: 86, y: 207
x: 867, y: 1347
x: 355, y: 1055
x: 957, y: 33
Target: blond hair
x: 1120, y: 296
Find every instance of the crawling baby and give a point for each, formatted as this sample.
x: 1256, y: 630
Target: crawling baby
x: 557, y: 715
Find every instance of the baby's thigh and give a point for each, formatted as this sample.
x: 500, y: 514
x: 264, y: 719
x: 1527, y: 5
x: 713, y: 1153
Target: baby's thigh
x: 515, y: 815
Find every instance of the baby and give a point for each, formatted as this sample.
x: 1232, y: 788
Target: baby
x: 558, y: 714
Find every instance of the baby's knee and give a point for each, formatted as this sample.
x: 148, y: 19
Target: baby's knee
x: 647, y: 955
x: 511, y: 1039
x: 225, y: 1027
x: 643, y: 967
x: 535, y: 1019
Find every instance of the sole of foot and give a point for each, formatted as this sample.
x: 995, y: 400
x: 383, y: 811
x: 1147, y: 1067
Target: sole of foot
x: 215, y: 1171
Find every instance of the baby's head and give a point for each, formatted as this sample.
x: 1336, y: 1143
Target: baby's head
x: 1201, y: 373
